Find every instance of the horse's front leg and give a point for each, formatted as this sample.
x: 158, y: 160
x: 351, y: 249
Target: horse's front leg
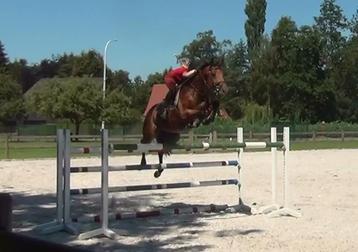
x: 192, y: 113
x: 210, y: 118
x: 193, y: 117
x: 158, y: 172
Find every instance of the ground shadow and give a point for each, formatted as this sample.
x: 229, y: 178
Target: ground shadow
x: 156, y: 233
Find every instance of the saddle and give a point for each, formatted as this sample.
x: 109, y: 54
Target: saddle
x: 170, y: 101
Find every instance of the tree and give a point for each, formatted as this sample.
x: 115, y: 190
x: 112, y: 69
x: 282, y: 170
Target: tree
x: 255, y: 23
x: 205, y: 48
x: 48, y: 68
x: 65, y: 64
x: 236, y: 70
x: 11, y: 102
x: 119, y: 109
x: 75, y: 99
x: 23, y: 74
x: 299, y: 90
x: 155, y: 78
x: 4, y: 61
x: 88, y: 64
x: 353, y: 25
x: 331, y: 24
x: 262, y: 80
x: 346, y: 80
x: 139, y: 93
x: 118, y: 79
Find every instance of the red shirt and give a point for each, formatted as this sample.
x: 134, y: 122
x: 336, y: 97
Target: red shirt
x: 177, y: 73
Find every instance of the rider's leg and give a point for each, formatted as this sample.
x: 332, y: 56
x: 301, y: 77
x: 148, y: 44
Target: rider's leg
x: 167, y: 102
x: 169, y: 98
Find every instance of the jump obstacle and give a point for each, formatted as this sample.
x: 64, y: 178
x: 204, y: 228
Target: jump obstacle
x: 64, y: 220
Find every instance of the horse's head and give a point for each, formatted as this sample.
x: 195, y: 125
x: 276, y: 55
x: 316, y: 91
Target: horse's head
x: 213, y: 77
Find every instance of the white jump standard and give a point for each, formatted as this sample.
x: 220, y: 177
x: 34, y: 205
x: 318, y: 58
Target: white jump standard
x: 64, y: 220
x: 275, y: 209
x: 63, y: 206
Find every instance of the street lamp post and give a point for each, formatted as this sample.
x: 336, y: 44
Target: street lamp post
x: 104, y: 73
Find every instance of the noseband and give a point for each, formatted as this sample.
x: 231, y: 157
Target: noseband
x: 216, y: 87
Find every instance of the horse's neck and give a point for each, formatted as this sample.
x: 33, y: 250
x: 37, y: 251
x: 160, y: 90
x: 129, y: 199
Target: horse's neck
x: 198, y: 83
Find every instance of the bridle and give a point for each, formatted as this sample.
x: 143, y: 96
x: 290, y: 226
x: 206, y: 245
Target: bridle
x: 215, y: 87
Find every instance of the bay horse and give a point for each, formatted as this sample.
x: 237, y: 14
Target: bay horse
x: 197, y: 102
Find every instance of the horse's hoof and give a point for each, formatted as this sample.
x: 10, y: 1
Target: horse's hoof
x: 157, y: 174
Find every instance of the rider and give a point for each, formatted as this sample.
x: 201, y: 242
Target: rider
x: 172, y: 79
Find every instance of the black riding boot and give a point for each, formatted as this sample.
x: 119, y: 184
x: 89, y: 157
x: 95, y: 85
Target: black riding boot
x: 170, y: 97
x: 165, y: 105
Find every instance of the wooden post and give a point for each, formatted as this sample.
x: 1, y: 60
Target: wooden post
x: 210, y: 137
x: 5, y: 212
x: 191, y: 137
x: 215, y: 137
x: 342, y: 135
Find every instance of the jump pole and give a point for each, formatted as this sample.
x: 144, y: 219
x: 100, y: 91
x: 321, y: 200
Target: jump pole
x: 103, y: 230
x: 62, y: 221
x: 285, y: 210
x: 275, y: 209
x: 274, y: 205
x: 240, y: 139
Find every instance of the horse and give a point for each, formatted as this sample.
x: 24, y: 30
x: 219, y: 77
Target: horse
x: 197, y: 101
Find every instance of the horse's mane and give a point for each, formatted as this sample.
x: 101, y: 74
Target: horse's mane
x: 201, y: 67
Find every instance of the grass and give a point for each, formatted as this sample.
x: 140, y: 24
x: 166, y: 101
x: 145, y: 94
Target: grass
x: 37, y: 150
x: 324, y: 144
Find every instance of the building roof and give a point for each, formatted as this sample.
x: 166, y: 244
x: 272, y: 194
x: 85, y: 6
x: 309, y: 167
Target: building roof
x: 159, y: 91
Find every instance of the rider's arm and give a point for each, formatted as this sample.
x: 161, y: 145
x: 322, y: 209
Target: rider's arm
x: 189, y: 73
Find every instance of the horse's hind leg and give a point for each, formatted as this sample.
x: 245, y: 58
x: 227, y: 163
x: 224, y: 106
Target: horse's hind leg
x: 148, y: 132
x: 144, y: 160
x: 158, y: 172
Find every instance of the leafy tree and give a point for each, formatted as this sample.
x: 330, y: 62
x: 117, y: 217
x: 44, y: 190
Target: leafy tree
x: 236, y: 78
x: 255, y: 23
x: 65, y: 64
x: 119, y: 109
x: 47, y: 68
x: 75, y: 99
x: 331, y: 23
x: 3, y: 59
x: 155, y: 78
x: 262, y: 79
x: 205, y: 48
x: 88, y: 64
x: 346, y: 78
x: 11, y: 102
x: 300, y: 91
x: 118, y: 79
x: 353, y: 25
x: 23, y: 74
x: 139, y: 93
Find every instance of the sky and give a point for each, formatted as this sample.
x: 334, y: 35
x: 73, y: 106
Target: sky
x: 149, y: 32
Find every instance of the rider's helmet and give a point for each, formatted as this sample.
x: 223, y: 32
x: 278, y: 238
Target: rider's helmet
x: 184, y: 61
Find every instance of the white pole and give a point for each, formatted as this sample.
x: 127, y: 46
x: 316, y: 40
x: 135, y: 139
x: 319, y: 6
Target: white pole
x: 103, y: 230
x: 240, y: 139
x: 104, y: 73
x: 286, y: 141
x: 285, y: 211
x: 274, y: 165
